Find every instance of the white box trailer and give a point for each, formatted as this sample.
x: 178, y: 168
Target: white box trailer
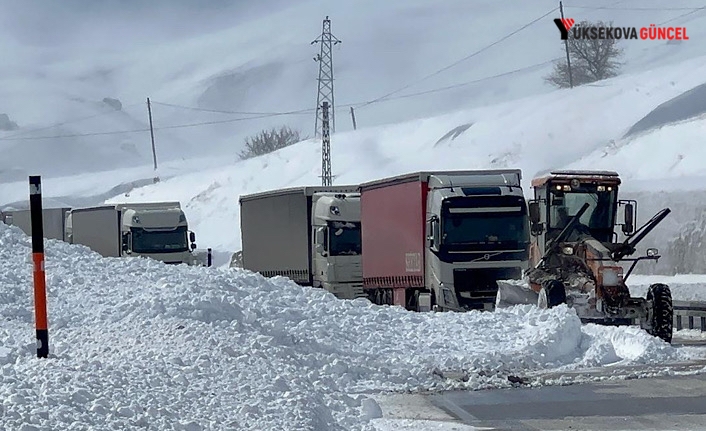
x: 53, y: 221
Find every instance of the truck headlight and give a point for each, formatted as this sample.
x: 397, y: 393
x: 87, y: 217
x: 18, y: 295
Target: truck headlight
x: 611, y: 275
x: 568, y: 250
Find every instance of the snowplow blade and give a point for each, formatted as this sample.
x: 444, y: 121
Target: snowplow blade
x: 510, y: 294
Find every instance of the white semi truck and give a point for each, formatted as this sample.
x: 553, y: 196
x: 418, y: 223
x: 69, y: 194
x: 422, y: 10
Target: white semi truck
x: 308, y: 234
x: 158, y: 230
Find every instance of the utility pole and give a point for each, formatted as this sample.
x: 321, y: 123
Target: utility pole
x: 326, y: 179
x: 566, y: 45
x: 154, y: 151
x: 325, y: 59
x: 353, y: 118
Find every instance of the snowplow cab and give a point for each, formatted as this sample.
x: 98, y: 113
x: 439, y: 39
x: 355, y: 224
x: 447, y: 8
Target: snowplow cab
x: 559, y: 195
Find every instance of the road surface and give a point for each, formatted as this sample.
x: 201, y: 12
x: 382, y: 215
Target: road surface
x: 669, y: 400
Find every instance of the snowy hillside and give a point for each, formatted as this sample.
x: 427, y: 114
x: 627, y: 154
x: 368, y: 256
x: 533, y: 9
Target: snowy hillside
x: 256, y: 57
x: 138, y: 344
x: 244, y: 66
x: 580, y: 128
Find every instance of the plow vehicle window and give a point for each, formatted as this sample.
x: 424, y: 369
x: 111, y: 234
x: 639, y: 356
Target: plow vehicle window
x: 483, y: 228
x: 144, y: 241
x: 565, y: 205
x: 344, y: 238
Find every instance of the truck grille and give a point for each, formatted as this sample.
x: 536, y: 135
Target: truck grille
x: 475, y: 287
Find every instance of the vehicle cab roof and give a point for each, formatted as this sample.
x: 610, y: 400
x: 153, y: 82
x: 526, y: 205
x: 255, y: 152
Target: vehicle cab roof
x: 602, y: 177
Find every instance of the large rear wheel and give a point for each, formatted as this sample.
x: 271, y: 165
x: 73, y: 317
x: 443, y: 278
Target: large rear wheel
x: 661, y: 314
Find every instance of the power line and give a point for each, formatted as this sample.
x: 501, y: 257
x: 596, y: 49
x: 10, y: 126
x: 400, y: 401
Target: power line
x: 71, y: 121
x: 118, y: 132
x: 632, y: 8
x: 268, y: 114
x: 75, y: 135
x: 463, y: 84
x: 218, y: 111
x: 485, y: 48
x: 403, y: 96
x: 683, y: 15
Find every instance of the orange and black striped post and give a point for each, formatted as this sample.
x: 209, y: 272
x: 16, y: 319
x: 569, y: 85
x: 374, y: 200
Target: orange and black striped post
x: 40, y: 288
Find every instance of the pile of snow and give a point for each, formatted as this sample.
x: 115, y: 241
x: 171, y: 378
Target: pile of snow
x: 136, y: 343
x: 684, y: 287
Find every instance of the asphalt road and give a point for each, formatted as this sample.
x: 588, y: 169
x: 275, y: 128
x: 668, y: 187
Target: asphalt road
x: 667, y: 402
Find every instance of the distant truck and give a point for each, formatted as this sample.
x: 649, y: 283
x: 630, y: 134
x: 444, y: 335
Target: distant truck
x: 443, y: 240
x: 53, y: 220
x: 308, y: 234
x: 158, y: 230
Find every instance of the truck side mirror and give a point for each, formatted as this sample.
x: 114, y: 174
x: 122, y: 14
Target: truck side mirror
x: 629, y: 226
x: 534, y: 216
x: 192, y: 237
x: 193, y: 246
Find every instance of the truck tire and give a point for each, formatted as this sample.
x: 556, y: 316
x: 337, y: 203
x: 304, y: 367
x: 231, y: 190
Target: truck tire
x: 551, y: 294
x: 662, y: 313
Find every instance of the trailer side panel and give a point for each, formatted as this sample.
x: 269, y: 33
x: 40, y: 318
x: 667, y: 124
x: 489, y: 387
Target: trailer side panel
x: 275, y: 235
x: 393, y: 235
x: 98, y: 229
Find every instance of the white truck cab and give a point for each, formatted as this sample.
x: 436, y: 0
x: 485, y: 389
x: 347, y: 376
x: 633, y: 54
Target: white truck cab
x: 337, y: 245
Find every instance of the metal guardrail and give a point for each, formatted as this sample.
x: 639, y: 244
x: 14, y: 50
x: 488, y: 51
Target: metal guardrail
x: 689, y: 315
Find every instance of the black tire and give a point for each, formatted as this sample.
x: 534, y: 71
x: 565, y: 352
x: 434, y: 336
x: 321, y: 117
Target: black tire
x: 553, y: 293
x: 662, y: 313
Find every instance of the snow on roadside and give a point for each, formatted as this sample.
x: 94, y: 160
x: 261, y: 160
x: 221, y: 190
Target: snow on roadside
x: 421, y: 425
x: 684, y: 287
x: 139, y: 344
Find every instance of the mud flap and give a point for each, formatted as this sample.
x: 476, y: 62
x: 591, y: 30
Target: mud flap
x: 510, y: 294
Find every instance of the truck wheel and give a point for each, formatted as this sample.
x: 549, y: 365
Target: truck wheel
x: 662, y: 313
x: 551, y: 294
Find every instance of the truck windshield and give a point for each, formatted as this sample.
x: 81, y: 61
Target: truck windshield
x: 144, y: 241
x: 344, y: 238
x: 483, y: 227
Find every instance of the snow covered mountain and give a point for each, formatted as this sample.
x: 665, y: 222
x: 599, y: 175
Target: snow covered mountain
x: 256, y: 57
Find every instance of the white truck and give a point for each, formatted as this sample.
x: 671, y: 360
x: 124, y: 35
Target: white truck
x: 158, y: 230
x: 308, y: 234
x: 53, y: 220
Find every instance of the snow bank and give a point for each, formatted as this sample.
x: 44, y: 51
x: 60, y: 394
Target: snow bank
x: 136, y: 343
x: 684, y: 287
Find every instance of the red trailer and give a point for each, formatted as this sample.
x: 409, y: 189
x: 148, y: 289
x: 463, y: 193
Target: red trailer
x: 407, y: 260
x: 392, y: 216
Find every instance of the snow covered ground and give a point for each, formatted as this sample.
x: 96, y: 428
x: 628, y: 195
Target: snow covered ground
x: 139, y: 344
x: 685, y: 287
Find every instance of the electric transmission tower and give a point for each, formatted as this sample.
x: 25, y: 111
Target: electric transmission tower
x: 326, y: 177
x: 327, y: 41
